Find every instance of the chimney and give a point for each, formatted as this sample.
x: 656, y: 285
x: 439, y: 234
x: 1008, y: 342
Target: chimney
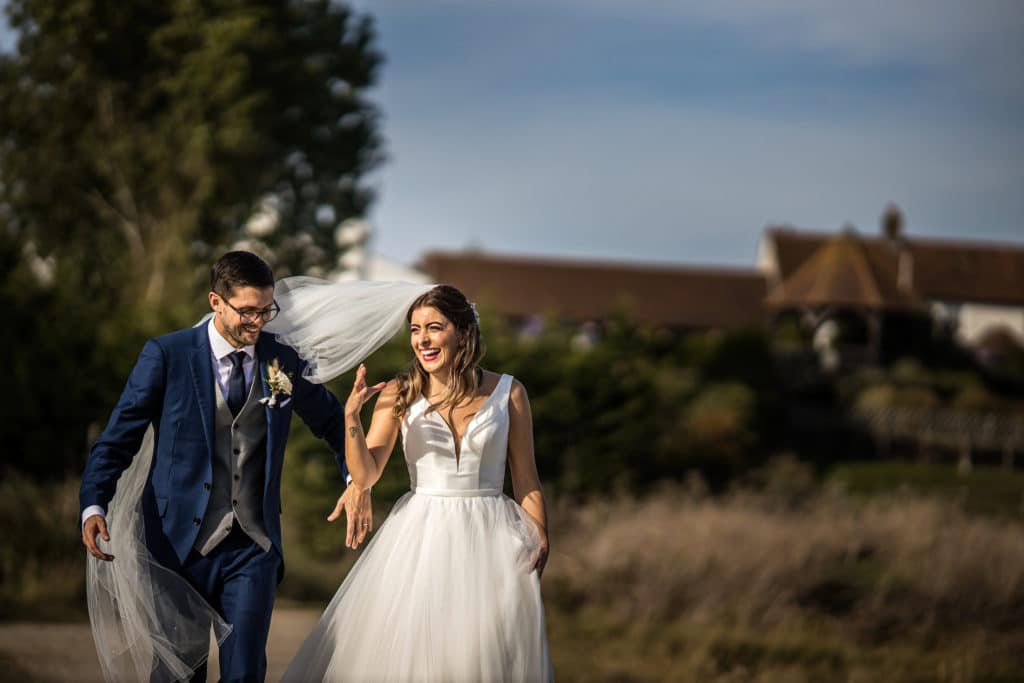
x: 892, y: 228
x: 892, y: 222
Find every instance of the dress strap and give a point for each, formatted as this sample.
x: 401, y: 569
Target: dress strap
x: 503, y: 391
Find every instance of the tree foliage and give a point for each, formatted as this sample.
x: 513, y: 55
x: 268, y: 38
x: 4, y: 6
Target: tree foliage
x: 137, y: 138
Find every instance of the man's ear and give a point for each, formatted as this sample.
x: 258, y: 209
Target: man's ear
x: 214, y: 300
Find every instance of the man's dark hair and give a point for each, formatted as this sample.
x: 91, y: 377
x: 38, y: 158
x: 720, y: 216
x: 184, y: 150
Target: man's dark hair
x: 239, y: 269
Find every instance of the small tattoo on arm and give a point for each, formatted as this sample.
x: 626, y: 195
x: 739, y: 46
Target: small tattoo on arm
x: 353, y: 432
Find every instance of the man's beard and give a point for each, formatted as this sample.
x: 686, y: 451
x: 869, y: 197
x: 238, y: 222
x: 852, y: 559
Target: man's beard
x: 239, y: 334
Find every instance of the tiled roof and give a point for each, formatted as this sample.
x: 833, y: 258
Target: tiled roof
x: 943, y: 269
x: 843, y: 273
x: 677, y: 296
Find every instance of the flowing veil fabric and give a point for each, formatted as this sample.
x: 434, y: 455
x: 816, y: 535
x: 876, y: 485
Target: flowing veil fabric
x: 334, y: 325
x: 149, y: 624
x: 147, y: 621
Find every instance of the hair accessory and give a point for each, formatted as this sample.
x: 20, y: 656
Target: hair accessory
x: 476, y: 316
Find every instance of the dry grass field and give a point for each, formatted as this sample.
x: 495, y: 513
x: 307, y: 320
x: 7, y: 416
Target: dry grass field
x: 821, y: 587
x: 795, y: 583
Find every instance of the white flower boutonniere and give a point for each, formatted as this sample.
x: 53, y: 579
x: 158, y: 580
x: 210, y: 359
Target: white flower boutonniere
x: 280, y: 384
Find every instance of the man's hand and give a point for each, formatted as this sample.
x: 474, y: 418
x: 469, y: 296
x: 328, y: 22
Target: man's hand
x: 356, y: 504
x: 96, y: 525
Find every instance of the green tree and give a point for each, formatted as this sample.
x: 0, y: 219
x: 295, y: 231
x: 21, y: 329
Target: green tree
x: 137, y: 138
x: 137, y: 141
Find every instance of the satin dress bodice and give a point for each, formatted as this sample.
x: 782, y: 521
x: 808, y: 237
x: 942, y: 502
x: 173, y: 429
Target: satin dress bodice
x: 478, y: 469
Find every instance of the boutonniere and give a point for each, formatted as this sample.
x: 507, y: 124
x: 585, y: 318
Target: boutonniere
x: 280, y: 384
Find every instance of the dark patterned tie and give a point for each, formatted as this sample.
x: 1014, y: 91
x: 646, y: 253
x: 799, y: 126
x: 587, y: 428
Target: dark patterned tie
x: 236, y: 383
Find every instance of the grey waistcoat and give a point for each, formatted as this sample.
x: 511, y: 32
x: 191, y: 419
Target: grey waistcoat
x: 239, y: 459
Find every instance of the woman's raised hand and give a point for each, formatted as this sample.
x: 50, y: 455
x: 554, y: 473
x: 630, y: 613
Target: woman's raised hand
x: 361, y: 392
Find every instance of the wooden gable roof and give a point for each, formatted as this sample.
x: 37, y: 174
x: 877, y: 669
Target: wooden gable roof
x: 941, y: 269
x: 843, y: 273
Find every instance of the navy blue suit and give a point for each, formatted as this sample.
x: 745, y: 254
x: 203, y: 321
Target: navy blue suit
x: 172, y: 388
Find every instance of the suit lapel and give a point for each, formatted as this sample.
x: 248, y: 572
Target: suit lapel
x: 263, y: 358
x: 202, y: 378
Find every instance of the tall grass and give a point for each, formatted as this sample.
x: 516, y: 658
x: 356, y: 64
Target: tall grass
x: 916, y: 563
x: 758, y: 586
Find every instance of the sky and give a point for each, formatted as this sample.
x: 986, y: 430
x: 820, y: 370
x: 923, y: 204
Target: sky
x: 673, y: 132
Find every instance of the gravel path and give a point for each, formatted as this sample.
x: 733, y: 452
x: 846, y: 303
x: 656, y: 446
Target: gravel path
x: 48, y: 653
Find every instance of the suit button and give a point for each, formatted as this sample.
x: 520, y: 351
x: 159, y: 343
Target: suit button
x: 206, y: 485
x: 237, y: 477
x: 234, y: 502
x: 196, y: 521
x: 235, y: 426
x: 237, y: 451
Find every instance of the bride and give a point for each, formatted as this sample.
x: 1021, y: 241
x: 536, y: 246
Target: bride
x: 449, y: 589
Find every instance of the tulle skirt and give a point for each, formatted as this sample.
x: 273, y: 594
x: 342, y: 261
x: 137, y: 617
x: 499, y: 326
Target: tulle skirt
x: 443, y: 592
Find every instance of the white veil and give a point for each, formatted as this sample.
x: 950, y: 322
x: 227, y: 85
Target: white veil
x: 147, y: 621
x: 335, y: 325
x: 149, y: 624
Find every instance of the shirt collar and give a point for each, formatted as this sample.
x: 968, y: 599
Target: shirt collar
x: 222, y: 348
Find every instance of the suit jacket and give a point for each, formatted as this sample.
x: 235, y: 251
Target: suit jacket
x: 172, y: 388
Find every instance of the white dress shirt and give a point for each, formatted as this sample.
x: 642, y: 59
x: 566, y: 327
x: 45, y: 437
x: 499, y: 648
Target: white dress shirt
x: 220, y: 349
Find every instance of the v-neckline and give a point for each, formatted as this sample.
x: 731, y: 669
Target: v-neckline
x: 457, y: 444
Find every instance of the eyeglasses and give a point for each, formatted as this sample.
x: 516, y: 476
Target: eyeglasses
x: 250, y: 315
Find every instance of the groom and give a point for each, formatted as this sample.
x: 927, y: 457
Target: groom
x: 212, y: 502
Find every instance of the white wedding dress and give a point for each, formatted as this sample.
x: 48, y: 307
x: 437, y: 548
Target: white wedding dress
x: 444, y: 591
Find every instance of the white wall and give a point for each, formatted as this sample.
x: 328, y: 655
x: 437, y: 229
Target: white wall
x: 975, y: 319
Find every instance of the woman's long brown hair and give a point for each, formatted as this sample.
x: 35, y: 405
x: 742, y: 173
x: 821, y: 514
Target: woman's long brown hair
x: 453, y: 305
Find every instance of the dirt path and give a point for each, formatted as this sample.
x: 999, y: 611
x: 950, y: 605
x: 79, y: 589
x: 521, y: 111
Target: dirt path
x: 48, y: 653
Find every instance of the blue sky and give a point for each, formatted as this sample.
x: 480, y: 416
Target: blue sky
x: 675, y: 131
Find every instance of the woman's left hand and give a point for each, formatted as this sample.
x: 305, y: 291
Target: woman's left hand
x: 542, y: 557
x: 355, y: 503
